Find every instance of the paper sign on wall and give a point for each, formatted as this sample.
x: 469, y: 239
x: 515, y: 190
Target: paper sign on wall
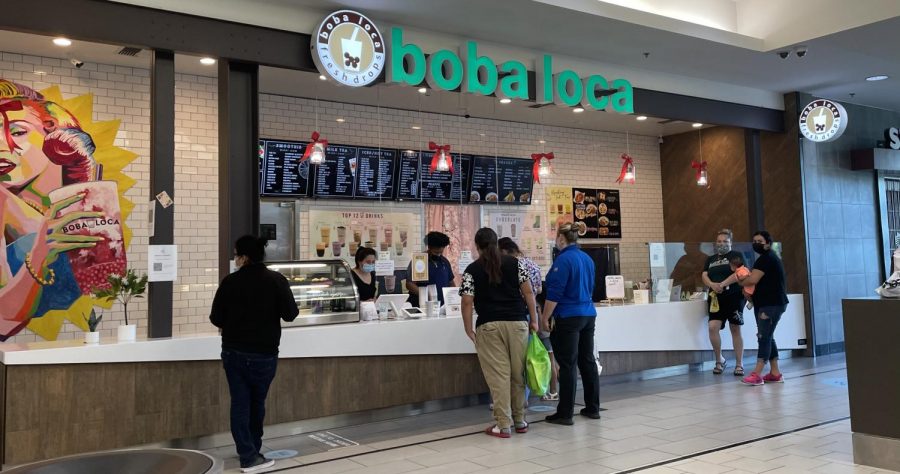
x: 162, y: 263
x: 657, y: 255
x: 452, y: 302
x: 465, y: 259
x: 615, y: 287
x: 384, y: 266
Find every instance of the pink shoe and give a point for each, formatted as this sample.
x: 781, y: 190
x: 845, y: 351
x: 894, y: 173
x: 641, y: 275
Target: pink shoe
x: 497, y: 431
x: 769, y: 378
x: 752, y: 379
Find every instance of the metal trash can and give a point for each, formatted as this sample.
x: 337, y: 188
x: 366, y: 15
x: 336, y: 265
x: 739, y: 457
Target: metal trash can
x: 129, y: 461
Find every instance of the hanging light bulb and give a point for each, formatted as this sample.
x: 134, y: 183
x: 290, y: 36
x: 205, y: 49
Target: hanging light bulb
x: 702, y: 178
x: 318, y: 154
x: 443, y: 162
x: 544, y: 168
x: 629, y: 173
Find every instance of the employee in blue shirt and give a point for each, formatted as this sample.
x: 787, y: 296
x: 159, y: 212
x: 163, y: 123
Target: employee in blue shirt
x: 569, y: 287
x: 440, y: 271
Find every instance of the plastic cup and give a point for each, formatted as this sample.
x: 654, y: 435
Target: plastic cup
x: 320, y: 249
x: 390, y: 283
x: 325, y: 232
x: 342, y: 234
x: 388, y: 235
x: 352, y: 47
x: 336, y: 248
x: 354, y: 246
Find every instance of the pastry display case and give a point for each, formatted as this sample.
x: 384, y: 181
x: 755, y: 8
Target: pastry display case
x: 323, y: 289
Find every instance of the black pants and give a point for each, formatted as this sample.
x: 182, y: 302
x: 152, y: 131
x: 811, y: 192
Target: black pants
x: 249, y: 377
x: 573, y: 344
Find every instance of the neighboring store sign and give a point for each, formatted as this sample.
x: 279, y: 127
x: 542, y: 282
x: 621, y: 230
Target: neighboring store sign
x: 892, y: 135
x: 823, y: 121
x: 348, y: 47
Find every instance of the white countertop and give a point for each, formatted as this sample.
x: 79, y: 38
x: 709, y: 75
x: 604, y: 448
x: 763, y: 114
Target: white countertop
x: 676, y: 326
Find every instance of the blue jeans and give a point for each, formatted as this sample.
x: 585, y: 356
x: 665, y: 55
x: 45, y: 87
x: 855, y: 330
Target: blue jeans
x: 765, y: 330
x: 249, y: 377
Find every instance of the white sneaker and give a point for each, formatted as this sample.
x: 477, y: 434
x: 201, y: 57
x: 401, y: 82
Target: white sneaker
x: 263, y: 463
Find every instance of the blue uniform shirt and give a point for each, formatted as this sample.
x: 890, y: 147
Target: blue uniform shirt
x: 570, y: 283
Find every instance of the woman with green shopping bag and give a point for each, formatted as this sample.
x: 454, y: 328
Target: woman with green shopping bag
x: 497, y: 287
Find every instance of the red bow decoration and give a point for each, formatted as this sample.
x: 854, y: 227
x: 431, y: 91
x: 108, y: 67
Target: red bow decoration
x: 537, y: 157
x: 312, y: 144
x: 629, y: 162
x: 436, y: 158
x: 700, y: 166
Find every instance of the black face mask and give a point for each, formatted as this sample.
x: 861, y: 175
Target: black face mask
x: 759, y: 248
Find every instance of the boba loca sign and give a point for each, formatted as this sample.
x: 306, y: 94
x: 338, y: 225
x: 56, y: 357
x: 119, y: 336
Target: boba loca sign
x: 350, y: 49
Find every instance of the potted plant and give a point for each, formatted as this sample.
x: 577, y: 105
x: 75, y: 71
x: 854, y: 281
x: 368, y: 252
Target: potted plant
x: 124, y: 288
x: 92, y: 336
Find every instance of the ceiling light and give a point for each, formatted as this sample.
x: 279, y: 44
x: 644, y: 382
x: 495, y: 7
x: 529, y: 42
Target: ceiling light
x: 340, y: 120
x: 481, y: 134
x: 505, y: 100
x: 416, y: 127
x: 879, y: 77
x: 423, y: 90
x: 40, y: 73
x: 641, y: 118
x: 697, y: 125
x: 578, y: 110
x: 62, y: 42
x: 207, y: 61
x: 542, y: 141
x: 322, y: 77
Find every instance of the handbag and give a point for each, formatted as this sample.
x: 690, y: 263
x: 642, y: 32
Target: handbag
x: 537, y: 365
x: 891, y: 287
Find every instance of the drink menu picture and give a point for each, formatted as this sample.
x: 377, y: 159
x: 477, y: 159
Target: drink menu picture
x: 559, y: 208
x: 339, y: 234
x: 335, y: 176
x: 597, y: 213
x: 501, y: 180
x: 282, y: 170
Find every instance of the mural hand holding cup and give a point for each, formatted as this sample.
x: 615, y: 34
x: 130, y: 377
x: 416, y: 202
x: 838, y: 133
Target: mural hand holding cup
x: 46, y: 250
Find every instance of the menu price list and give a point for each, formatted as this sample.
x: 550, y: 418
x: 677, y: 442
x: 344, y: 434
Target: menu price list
x: 597, y: 213
x: 375, y: 173
x: 501, y: 180
x: 281, y: 171
x: 417, y: 181
x: 334, y: 176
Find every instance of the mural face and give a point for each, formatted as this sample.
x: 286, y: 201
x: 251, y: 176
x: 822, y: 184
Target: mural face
x: 62, y: 209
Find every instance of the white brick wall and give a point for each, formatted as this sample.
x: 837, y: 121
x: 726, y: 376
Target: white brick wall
x: 584, y: 158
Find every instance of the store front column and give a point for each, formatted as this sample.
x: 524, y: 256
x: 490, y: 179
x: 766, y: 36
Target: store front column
x: 162, y: 180
x: 753, y: 158
x: 238, y: 160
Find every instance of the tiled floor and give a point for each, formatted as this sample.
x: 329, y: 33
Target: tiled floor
x: 694, y: 423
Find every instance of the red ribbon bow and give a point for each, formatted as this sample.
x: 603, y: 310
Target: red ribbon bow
x: 700, y: 166
x: 628, y: 162
x: 537, y: 157
x: 436, y: 158
x: 312, y: 144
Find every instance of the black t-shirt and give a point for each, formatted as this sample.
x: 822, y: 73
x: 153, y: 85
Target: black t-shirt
x: 718, y: 268
x: 500, y: 302
x: 770, y: 290
x: 366, y: 291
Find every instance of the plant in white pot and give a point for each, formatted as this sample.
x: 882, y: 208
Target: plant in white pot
x: 124, y: 288
x: 92, y: 336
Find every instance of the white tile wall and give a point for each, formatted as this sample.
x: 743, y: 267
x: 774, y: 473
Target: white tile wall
x: 584, y: 158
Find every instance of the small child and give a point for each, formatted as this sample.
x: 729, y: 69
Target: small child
x: 741, y: 272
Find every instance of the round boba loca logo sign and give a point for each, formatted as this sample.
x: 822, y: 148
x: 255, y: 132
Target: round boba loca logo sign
x: 349, y: 48
x: 823, y: 120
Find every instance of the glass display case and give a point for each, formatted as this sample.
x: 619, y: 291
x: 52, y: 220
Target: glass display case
x: 323, y: 289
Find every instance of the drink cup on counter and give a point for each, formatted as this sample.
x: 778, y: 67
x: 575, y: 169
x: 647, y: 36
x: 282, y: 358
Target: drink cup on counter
x: 320, y: 249
x: 390, y: 283
x: 336, y: 248
x: 92, y: 265
x: 325, y: 232
x: 432, y: 293
x: 342, y: 234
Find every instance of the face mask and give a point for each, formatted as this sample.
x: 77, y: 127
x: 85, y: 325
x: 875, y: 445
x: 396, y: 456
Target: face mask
x: 368, y: 267
x: 759, y: 248
x: 722, y: 249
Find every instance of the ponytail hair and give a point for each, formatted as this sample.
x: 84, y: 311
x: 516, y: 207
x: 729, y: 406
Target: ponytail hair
x: 489, y: 254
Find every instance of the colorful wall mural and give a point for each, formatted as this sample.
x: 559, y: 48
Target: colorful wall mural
x: 62, y: 209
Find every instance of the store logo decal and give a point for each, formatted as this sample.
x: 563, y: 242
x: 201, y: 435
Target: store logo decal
x: 348, y: 47
x: 823, y: 121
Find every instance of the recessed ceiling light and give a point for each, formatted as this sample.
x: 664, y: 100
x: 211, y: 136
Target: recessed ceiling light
x: 697, y: 125
x: 416, y: 127
x: 40, y: 73
x: 505, y: 100
x: 207, y: 61
x: 481, y: 134
x: 578, y: 110
x: 340, y: 120
x: 62, y: 42
x: 542, y: 141
x: 322, y: 77
x: 423, y: 90
x: 879, y: 77
x: 641, y: 118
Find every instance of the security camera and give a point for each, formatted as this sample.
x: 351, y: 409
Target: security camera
x: 661, y: 141
x: 77, y: 63
x: 801, y: 51
x: 784, y: 54
x: 467, y: 116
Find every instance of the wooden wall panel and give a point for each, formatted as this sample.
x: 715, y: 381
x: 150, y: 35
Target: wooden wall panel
x: 692, y: 213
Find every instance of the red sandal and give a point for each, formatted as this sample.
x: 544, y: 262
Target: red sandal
x: 497, y: 432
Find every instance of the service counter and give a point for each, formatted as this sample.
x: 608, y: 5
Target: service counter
x: 65, y: 397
